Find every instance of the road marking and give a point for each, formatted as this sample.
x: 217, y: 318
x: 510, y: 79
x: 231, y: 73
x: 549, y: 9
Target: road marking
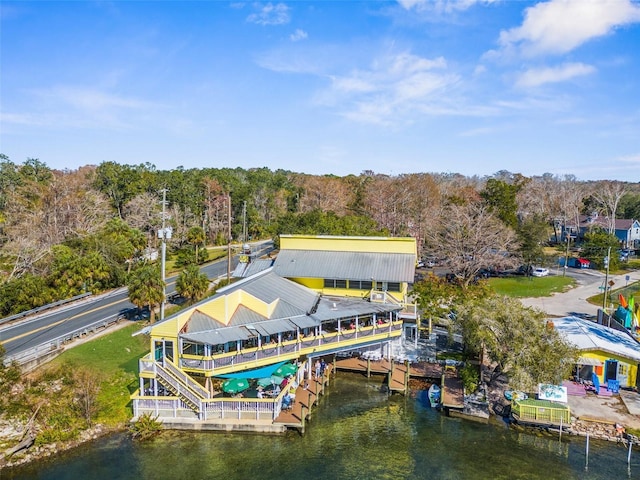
x: 55, y: 324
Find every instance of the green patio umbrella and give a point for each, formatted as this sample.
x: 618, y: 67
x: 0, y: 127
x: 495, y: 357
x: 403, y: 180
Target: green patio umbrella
x: 272, y: 380
x: 235, y: 385
x: 285, y: 370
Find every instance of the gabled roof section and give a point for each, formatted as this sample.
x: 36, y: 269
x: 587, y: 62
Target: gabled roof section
x: 388, y: 267
x: 200, y: 322
x: 590, y: 336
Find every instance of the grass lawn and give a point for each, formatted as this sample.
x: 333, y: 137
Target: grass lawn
x: 114, y: 359
x: 524, y: 287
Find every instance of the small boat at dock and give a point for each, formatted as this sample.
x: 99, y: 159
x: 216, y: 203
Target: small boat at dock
x: 434, y: 395
x: 515, y: 395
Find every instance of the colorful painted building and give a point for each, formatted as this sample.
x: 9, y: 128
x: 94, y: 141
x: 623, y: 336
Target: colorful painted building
x: 323, y: 295
x: 610, y: 354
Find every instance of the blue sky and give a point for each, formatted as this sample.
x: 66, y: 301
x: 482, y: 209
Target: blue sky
x: 339, y: 87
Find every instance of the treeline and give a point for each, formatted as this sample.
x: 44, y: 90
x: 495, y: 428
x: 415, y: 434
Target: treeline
x: 63, y: 232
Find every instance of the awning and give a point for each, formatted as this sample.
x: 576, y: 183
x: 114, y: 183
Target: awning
x: 304, y: 321
x: 273, y: 327
x: 219, y: 336
x: 594, y: 362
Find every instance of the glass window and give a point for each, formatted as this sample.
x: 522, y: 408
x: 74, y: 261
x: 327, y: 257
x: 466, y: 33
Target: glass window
x: 330, y: 283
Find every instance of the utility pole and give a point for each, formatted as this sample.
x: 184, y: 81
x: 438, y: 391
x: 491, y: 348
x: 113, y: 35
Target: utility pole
x: 606, y: 279
x: 228, y: 237
x: 163, y: 234
x: 566, y: 255
x: 244, y: 222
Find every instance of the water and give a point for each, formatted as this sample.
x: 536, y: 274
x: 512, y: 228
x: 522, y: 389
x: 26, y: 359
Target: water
x: 356, y: 433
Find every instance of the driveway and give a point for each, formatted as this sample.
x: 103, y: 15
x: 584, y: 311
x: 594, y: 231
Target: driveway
x: 574, y: 301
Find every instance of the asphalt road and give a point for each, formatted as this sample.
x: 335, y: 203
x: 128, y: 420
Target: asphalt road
x: 574, y: 301
x: 45, y: 328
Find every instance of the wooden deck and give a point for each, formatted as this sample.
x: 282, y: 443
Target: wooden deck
x: 452, y: 390
x: 305, y: 399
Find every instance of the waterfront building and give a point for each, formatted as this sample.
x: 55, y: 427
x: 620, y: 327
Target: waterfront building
x: 322, y: 296
x: 610, y: 354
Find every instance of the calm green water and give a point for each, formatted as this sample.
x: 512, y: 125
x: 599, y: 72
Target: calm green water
x: 356, y: 433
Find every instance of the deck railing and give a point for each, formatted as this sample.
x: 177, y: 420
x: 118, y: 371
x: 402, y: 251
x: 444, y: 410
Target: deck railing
x: 541, y: 411
x: 253, y: 357
x: 248, y: 409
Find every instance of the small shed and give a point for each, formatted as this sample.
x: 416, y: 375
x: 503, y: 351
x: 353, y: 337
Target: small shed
x: 610, y: 354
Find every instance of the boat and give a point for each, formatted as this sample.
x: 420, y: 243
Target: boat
x: 434, y: 395
x: 515, y: 395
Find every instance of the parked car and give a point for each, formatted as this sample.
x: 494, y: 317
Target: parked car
x: 540, y: 272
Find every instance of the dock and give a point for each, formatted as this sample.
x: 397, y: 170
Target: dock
x: 306, y: 396
x: 398, y: 374
x: 452, y: 390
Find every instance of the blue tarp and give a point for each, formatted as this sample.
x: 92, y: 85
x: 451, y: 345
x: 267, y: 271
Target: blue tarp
x: 596, y: 382
x: 257, y: 373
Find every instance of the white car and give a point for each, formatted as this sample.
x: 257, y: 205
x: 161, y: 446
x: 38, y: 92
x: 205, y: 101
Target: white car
x: 540, y: 272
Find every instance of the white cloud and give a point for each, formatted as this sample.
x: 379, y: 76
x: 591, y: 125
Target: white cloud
x: 298, y: 35
x: 559, y: 26
x: 392, y: 88
x: 270, y: 14
x: 633, y: 159
x: 535, y: 77
x: 446, y: 6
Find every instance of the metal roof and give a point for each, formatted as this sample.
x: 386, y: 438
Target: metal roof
x: 200, y: 322
x: 218, y: 336
x: 342, y: 307
x: 244, y: 270
x: 296, y: 307
x: 588, y: 335
x: 387, y: 267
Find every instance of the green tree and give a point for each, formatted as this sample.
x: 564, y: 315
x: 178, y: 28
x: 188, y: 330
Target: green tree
x: 192, y: 283
x: 24, y: 293
x: 146, y: 288
x: 75, y: 272
x: 596, y: 246
x: 196, y: 237
x: 517, y: 341
x: 532, y: 235
x: 500, y: 198
x: 439, y: 298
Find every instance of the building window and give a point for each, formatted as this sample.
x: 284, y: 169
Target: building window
x: 193, y: 349
x: 360, y: 284
x: 330, y: 283
x: 393, y: 286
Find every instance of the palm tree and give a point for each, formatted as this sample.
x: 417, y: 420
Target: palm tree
x: 146, y: 288
x: 192, y: 283
x: 196, y: 236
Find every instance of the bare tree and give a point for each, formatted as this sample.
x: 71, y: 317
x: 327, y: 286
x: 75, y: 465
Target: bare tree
x: 87, y: 387
x: 470, y: 239
x: 608, y: 195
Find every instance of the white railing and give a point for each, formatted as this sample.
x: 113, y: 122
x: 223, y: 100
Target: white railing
x: 186, y: 379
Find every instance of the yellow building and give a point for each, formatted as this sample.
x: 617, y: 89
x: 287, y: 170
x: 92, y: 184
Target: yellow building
x: 323, y: 295
x: 610, y: 354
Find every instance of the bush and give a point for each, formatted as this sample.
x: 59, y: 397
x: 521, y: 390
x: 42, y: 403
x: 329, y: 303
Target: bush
x: 470, y: 375
x: 145, y: 427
